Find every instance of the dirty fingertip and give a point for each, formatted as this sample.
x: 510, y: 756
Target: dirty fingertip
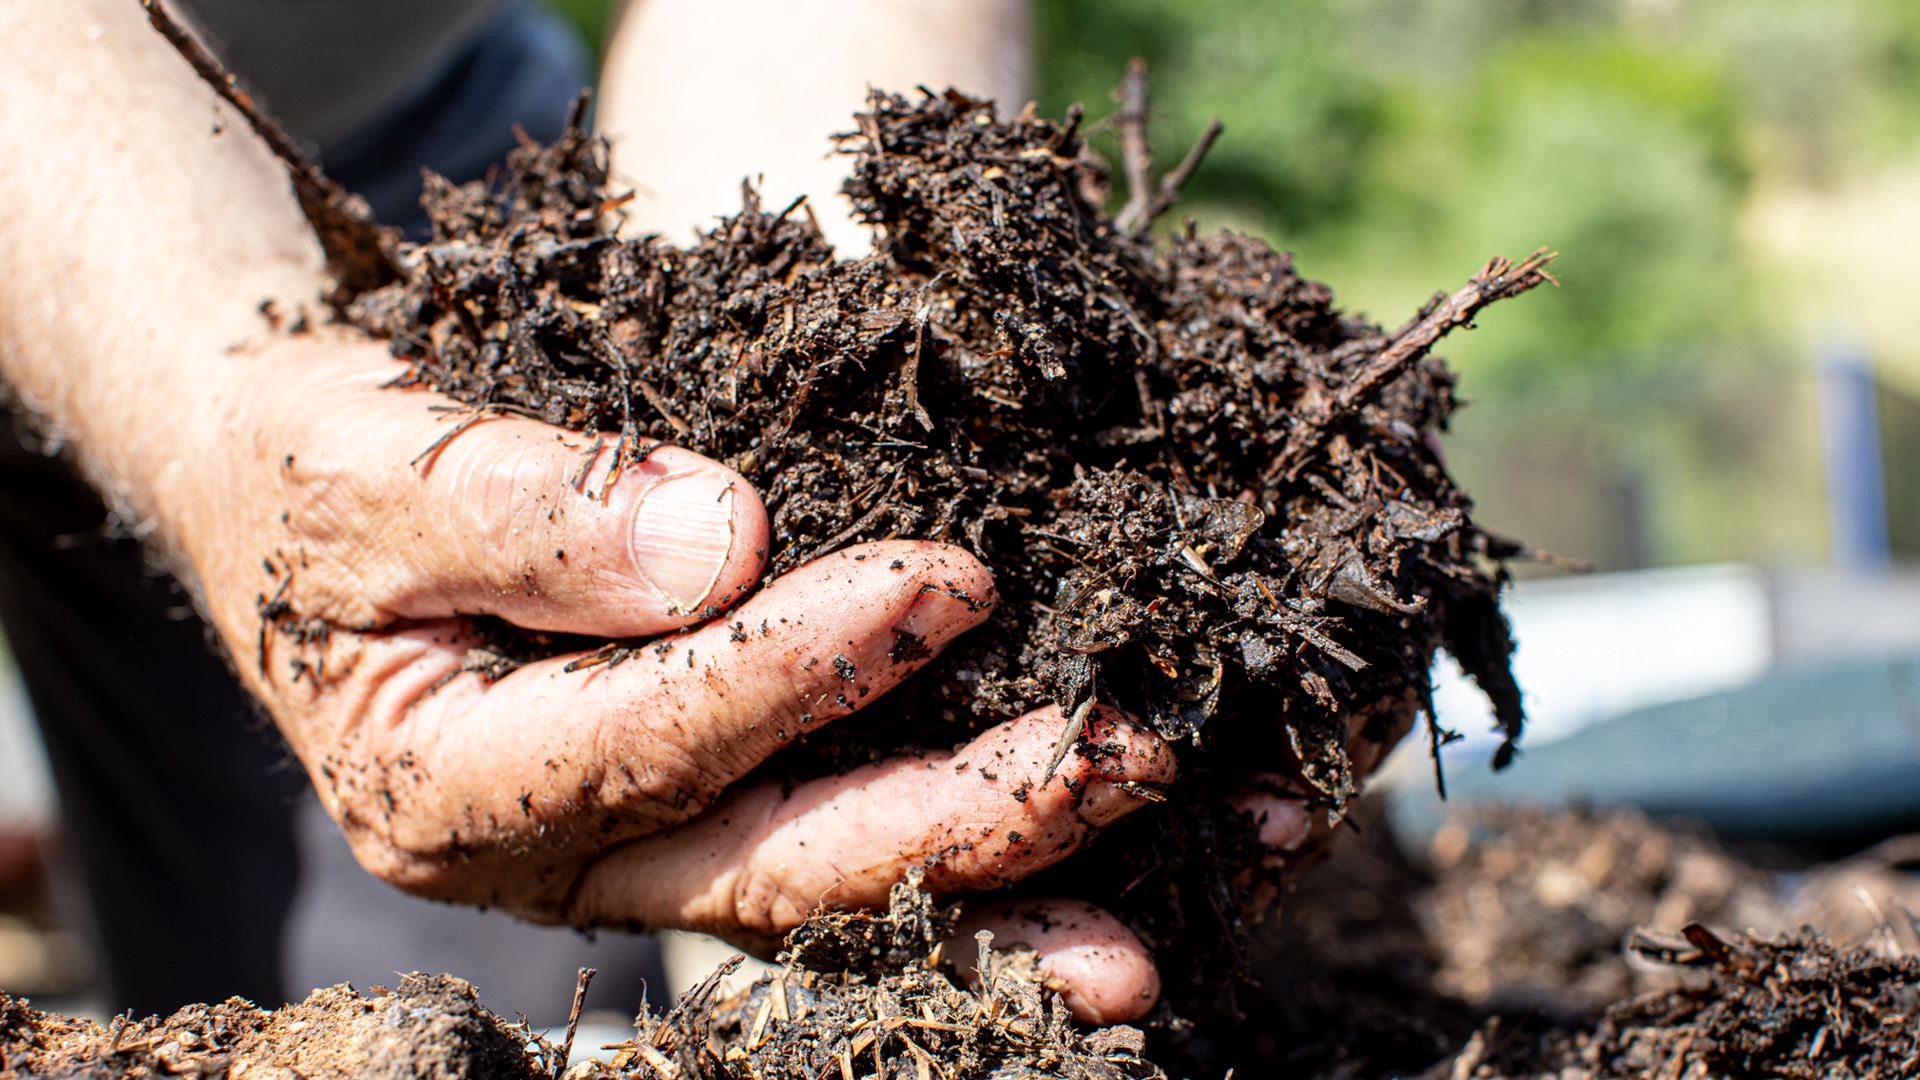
x: 1102, y: 971
x: 1125, y: 762
x: 1284, y: 821
x: 950, y: 591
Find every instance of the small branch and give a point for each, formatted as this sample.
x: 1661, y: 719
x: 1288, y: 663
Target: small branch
x: 1315, y: 414
x: 1170, y: 184
x: 227, y: 85
x: 1497, y: 280
x: 1146, y: 201
x: 573, y: 1019
x: 359, y: 252
x: 1136, y: 155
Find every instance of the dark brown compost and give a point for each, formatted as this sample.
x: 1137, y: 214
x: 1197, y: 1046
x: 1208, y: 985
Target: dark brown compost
x: 1208, y: 497
x: 1347, y: 988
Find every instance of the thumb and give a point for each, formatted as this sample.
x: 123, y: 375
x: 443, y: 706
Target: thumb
x: 429, y: 515
x: 579, y: 535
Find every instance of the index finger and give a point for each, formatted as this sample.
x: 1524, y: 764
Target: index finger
x: 446, y: 782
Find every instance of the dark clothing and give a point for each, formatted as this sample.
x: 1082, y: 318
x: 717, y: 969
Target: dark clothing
x: 328, y: 68
x: 178, y: 800
x: 526, y: 70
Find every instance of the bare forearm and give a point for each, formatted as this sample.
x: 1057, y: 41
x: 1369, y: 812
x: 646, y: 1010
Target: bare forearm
x: 698, y: 95
x: 141, y: 227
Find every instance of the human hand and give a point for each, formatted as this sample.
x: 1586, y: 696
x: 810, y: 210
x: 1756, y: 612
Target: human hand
x: 342, y: 545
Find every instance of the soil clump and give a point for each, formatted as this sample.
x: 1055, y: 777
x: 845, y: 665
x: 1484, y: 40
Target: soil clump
x: 429, y: 1027
x: 1209, y: 498
x: 1576, y: 945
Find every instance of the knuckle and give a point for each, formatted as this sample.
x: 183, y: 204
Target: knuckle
x: 763, y: 903
x: 498, y: 497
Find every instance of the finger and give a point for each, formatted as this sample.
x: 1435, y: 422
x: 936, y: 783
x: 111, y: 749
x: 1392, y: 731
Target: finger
x: 1374, y: 731
x: 629, y: 549
x: 1104, y: 972
x: 760, y: 860
x: 449, y: 512
x: 429, y: 769
x: 1278, y: 807
x: 1285, y: 820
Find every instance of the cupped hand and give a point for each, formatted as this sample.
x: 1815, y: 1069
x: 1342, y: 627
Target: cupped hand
x: 344, y: 537
x: 1106, y: 973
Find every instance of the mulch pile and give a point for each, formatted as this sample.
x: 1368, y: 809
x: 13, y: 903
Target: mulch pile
x: 1349, y: 987
x: 430, y: 1026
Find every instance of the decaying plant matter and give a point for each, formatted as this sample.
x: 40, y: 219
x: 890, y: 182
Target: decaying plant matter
x: 1347, y: 993
x: 864, y: 995
x: 1209, y: 498
x: 1793, y: 1007
x: 427, y: 1026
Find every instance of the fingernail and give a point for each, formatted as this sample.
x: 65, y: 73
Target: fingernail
x: 683, y: 536
x: 943, y: 610
x: 1285, y: 824
x: 1146, y: 759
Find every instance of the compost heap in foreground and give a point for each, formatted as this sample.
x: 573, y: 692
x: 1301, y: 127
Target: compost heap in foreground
x: 1509, y: 951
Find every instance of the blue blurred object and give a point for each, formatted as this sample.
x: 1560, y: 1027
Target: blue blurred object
x: 1806, y: 755
x: 1850, y: 448
x: 525, y: 70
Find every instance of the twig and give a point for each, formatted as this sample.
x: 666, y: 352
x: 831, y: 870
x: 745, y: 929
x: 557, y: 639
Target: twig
x: 1317, y: 410
x: 1136, y: 155
x: 359, y: 252
x: 1146, y: 201
x: 660, y: 405
x: 1076, y: 724
x: 580, y: 985
x: 1170, y: 184
x: 478, y: 415
x: 227, y: 85
x: 983, y: 967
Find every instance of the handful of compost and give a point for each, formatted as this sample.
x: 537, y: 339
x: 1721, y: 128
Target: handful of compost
x: 1209, y: 500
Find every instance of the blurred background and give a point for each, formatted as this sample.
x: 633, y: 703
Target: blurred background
x: 1719, y: 410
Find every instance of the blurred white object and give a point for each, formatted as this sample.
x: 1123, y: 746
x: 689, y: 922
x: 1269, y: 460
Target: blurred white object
x: 26, y: 784
x: 1597, y: 646
x: 692, y: 957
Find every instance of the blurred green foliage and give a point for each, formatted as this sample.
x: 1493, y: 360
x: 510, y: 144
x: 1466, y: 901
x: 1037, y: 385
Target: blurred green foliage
x: 1395, y: 144
x: 594, y: 18
x: 1656, y: 408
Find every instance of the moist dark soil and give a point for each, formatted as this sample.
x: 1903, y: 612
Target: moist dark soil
x: 1610, y: 948
x: 1574, y: 945
x: 1360, y: 978
x: 1209, y: 498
